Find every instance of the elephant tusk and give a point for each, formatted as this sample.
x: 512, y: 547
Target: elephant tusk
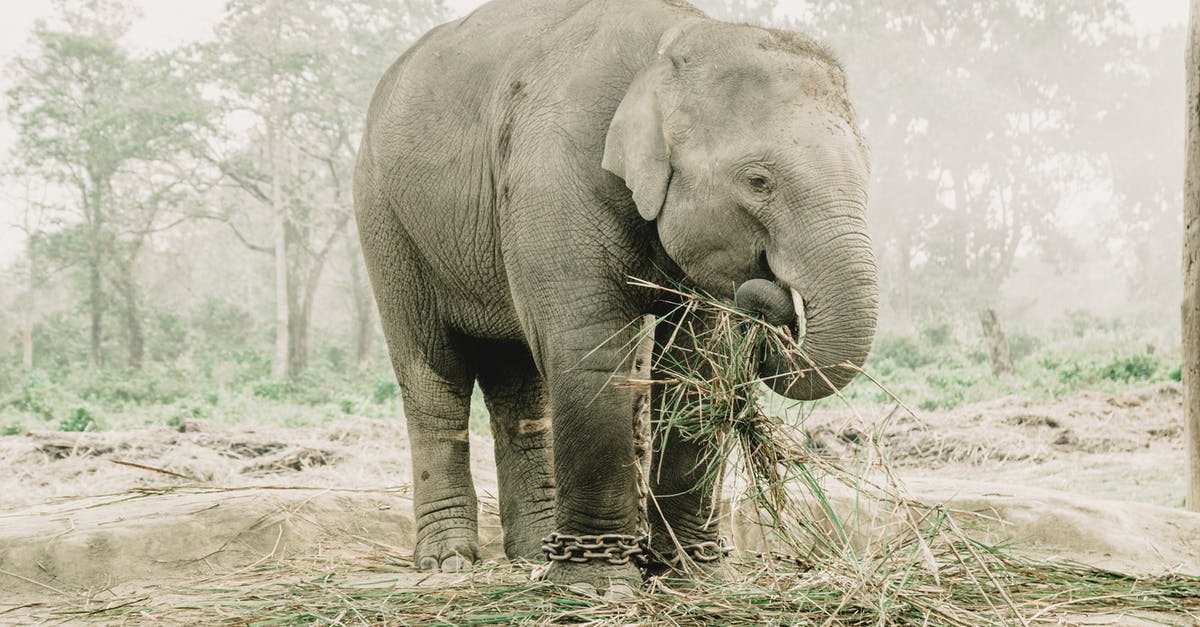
x: 801, y: 323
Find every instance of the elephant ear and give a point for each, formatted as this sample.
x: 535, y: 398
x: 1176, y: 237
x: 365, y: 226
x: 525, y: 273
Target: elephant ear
x: 635, y: 148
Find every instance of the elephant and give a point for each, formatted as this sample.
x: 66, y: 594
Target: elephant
x: 518, y: 166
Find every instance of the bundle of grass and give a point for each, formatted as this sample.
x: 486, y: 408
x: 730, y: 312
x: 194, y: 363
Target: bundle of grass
x: 847, y: 524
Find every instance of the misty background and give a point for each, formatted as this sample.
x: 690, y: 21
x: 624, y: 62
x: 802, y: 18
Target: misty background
x: 177, y: 234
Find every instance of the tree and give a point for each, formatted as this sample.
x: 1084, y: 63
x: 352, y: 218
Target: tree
x: 1191, y: 263
x: 88, y: 113
x: 304, y: 71
x: 34, y: 218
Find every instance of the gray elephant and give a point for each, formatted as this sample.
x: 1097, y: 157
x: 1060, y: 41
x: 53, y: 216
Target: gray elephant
x: 518, y: 166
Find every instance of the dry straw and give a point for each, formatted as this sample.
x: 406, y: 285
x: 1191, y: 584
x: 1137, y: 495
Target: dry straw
x: 845, y: 543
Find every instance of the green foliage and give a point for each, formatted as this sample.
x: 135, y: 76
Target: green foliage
x: 1176, y: 374
x: 899, y: 351
x: 1131, y: 368
x: 1061, y: 359
x: 1022, y: 344
x: 12, y: 429
x: 36, y: 396
x: 1080, y: 322
x: 218, y: 323
x: 81, y: 419
x: 938, y: 335
x: 270, y: 390
x: 167, y: 337
x: 385, y: 390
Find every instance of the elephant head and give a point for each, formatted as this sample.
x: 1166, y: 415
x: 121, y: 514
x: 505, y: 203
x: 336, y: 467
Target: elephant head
x: 740, y: 143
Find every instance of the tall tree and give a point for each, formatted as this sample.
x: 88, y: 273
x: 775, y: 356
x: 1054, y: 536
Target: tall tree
x: 34, y: 223
x: 304, y: 70
x: 1191, y: 263
x: 87, y: 112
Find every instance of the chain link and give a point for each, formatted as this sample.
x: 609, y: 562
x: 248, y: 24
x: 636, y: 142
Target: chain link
x: 701, y: 552
x: 614, y: 548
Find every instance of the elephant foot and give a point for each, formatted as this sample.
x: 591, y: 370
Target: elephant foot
x: 450, y: 553
x: 610, y: 582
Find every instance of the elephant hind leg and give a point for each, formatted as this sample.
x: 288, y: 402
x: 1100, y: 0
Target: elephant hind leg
x: 437, y: 410
x: 436, y: 380
x: 517, y: 401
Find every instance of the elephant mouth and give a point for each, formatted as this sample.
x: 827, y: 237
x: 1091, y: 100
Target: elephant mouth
x: 778, y: 304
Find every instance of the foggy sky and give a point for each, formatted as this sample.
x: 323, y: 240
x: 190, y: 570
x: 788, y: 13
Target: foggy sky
x: 168, y: 23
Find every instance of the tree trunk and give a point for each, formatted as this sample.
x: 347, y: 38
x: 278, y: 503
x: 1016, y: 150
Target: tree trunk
x: 363, y: 307
x: 133, y: 318
x: 30, y: 311
x: 997, y: 343
x: 95, y: 288
x: 1191, y: 264
x: 903, y: 285
x: 279, y: 365
x: 299, y: 316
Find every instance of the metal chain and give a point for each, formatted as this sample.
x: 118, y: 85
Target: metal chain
x: 701, y: 552
x: 614, y: 548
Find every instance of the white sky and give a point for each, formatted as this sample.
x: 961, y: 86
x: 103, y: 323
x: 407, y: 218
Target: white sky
x: 166, y: 23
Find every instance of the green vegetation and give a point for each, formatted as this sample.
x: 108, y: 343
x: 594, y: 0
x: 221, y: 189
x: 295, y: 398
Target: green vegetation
x: 69, y: 398
x: 942, y: 367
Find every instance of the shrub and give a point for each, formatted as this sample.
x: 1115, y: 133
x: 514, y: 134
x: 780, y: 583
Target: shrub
x: 272, y: 390
x: 34, y: 396
x: 79, y: 420
x: 1176, y: 374
x: 1022, y: 344
x: 901, y: 350
x: 938, y: 334
x: 385, y: 390
x: 1080, y: 321
x: 1132, y: 368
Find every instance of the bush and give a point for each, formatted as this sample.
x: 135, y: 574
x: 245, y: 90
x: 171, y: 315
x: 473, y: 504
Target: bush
x: 385, y: 390
x: 1132, y: 368
x: 938, y: 334
x: 1021, y: 345
x: 1080, y: 321
x: 903, y: 351
x: 272, y: 390
x: 1176, y: 374
x: 222, y: 324
x: 166, y: 337
x: 34, y: 396
x: 79, y: 420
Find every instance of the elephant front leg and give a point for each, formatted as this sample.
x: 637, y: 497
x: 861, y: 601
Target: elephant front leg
x: 596, y: 507
x: 684, y: 514
x: 444, y: 501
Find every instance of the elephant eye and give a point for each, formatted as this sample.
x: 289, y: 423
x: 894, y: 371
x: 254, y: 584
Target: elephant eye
x: 759, y: 183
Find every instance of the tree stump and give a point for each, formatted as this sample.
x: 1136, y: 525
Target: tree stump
x: 997, y: 343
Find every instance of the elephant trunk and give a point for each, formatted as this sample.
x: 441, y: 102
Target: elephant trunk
x: 833, y: 291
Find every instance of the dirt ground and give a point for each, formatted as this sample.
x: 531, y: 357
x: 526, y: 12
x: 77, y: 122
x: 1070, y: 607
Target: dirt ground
x: 87, y: 518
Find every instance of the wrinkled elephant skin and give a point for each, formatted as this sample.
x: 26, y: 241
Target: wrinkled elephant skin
x: 518, y: 165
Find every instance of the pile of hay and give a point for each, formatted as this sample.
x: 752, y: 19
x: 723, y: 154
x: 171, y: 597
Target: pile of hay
x: 887, y: 559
